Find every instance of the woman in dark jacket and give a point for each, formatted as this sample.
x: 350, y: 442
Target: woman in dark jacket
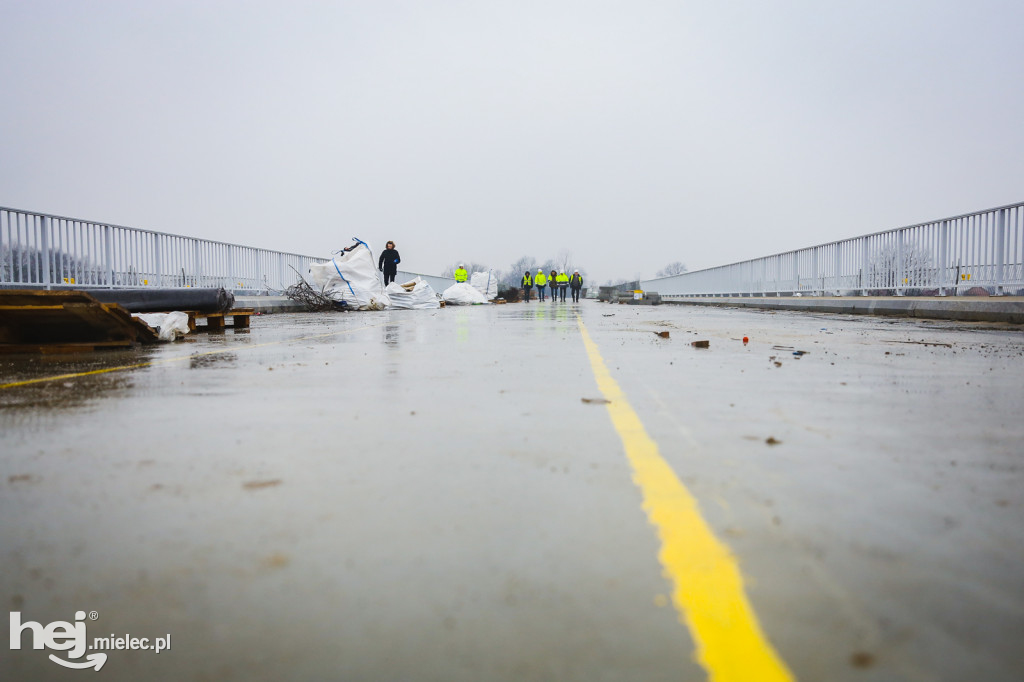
x: 388, y: 263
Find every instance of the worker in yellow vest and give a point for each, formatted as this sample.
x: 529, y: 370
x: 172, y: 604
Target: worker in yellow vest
x: 541, y: 281
x: 527, y: 285
x: 576, y: 283
x: 563, y: 283
x: 460, y: 274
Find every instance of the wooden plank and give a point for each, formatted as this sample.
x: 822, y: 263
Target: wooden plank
x: 240, y: 320
x: 33, y: 318
x: 43, y: 297
x: 215, y: 322
x: 105, y: 324
x: 31, y: 307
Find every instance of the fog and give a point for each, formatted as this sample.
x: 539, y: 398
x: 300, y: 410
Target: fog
x: 631, y: 134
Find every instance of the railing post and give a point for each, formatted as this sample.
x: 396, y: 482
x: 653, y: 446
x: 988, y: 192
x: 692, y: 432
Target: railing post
x: 839, y: 268
x: 44, y: 243
x: 196, y: 267
x: 899, y: 263
x: 158, y: 260
x: 943, y: 256
x: 108, y: 256
x: 815, y: 289
x: 865, y: 259
x: 1000, y: 250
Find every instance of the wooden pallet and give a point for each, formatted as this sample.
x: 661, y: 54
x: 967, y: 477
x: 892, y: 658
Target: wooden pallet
x: 217, y: 321
x: 36, y: 321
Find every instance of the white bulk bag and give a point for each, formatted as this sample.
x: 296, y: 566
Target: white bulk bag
x: 486, y: 283
x: 416, y: 294
x: 351, y: 278
x: 462, y: 294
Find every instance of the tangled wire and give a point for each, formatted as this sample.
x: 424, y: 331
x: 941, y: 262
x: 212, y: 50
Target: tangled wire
x: 313, y: 300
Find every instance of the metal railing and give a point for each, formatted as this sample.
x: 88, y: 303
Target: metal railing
x: 38, y: 250
x: 937, y: 258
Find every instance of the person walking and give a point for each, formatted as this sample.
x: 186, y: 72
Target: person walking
x: 461, y: 275
x: 540, y: 280
x: 527, y: 285
x: 388, y: 263
x: 576, y: 283
x: 553, y: 277
x: 563, y: 284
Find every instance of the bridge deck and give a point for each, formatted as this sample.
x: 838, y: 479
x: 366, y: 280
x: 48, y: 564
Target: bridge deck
x: 427, y: 495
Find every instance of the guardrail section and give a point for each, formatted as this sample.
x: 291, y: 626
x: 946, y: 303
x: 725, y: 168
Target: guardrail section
x: 38, y: 250
x: 949, y: 256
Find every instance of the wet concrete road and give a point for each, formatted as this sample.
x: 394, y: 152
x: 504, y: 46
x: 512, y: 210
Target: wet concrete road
x: 424, y: 495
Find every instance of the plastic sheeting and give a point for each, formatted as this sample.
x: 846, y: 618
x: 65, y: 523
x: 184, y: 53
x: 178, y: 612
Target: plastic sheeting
x: 169, y: 326
x: 462, y: 294
x: 351, y: 278
x: 486, y: 283
x: 414, y: 295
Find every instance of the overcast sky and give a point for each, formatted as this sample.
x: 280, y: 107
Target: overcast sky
x: 633, y: 133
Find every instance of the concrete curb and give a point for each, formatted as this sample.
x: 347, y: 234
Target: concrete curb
x: 269, y: 304
x: 1001, y: 309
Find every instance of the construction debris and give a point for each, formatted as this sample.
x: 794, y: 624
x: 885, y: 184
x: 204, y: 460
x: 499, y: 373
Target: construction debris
x: 169, y: 326
x: 37, y: 321
x: 416, y: 294
x: 314, y: 300
x: 701, y: 344
x: 159, y: 300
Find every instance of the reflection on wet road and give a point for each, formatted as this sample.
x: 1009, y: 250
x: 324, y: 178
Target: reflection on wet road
x: 446, y: 495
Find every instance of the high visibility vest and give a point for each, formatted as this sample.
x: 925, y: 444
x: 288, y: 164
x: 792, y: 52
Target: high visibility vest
x: 576, y: 280
x: 527, y: 280
x: 460, y: 275
x: 562, y: 278
x: 540, y: 280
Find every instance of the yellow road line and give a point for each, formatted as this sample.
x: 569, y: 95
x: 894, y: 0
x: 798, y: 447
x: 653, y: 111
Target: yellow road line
x: 707, y: 584
x: 178, y: 358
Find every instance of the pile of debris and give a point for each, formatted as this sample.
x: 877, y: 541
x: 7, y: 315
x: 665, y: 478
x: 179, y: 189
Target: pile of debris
x: 351, y: 281
x: 43, y: 321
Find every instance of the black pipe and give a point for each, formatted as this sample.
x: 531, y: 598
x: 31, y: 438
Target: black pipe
x: 152, y: 299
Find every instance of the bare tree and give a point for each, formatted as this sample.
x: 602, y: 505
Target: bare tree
x: 673, y: 268
x: 513, y: 277
x: 885, y: 267
x: 563, y: 260
x: 20, y: 263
